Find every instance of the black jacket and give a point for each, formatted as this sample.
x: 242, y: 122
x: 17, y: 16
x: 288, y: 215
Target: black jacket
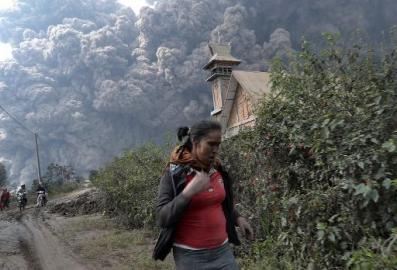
x: 171, y: 206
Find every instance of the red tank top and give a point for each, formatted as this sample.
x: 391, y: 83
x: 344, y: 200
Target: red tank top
x: 203, y: 224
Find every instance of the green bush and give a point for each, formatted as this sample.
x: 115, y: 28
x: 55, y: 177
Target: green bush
x: 316, y: 174
x: 58, y: 179
x: 130, y: 183
x: 375, y: 254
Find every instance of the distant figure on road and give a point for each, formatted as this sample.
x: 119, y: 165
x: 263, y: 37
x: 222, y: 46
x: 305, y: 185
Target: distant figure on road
x: 21, y: 197
x: 195, y: 207
x: 21, y: 189
x: 41, y: 194
x: 4, y: 199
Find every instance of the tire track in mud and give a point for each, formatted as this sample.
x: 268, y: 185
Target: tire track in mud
x: 28, y: 243
x: 25, y: 242
x: 29, y: 255
x: 48, y: 250
x: 15, y: 253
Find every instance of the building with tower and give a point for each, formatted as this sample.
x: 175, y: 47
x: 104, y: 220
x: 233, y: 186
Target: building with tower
x: 235, y: 93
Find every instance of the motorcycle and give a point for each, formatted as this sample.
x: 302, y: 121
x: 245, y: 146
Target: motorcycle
x: 41, y: 200
x: 22, y: 201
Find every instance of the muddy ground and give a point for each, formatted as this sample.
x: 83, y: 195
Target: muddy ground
x: 28, y: 243
x: 72, y: 233
x: 28, y: 240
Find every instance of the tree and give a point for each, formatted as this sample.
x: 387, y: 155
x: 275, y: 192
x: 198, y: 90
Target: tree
x: 59, y: 174
x: 60, y: 178
x: 3, y: 175
x: 35, y: 184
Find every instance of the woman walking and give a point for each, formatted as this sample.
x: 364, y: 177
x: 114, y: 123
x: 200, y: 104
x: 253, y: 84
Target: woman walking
x: 195, y: 206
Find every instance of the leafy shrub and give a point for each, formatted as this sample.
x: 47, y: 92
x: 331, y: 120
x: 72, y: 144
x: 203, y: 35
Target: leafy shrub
x: 3, y: 175
x: 58, y: 179
x: 375, y: 254
x: 316, y: 174
x: 130, y: 183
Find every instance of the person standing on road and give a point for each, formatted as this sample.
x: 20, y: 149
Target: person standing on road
x: 195, y: 207
x: 5, y: 198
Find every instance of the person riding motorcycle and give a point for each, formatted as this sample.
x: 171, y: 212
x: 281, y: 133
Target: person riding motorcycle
x: 41, y: 190
x: 21, y: 194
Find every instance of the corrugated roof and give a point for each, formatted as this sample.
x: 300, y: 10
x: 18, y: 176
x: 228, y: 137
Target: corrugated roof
x: 254, y: 82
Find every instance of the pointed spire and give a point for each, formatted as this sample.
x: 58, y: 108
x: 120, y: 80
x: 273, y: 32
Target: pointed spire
x: 221, y: 53
x: 221, y: 61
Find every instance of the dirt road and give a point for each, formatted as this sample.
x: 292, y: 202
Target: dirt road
x: 27, y: 242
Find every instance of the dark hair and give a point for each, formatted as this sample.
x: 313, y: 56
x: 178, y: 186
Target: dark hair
x: 198, y: 131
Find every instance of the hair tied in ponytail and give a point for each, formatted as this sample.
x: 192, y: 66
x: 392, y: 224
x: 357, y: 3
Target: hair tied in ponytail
x: 186, y: 138
x: 183, y: 132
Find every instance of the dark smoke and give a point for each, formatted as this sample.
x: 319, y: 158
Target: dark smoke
x: 93, y: 78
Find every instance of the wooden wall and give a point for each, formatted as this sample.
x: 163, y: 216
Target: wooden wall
x: 241, y: 109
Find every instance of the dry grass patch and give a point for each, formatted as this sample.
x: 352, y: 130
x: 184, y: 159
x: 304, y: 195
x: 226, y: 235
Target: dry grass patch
x: 107, y: 246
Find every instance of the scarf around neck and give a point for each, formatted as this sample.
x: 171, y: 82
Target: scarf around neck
x: 182, y: 156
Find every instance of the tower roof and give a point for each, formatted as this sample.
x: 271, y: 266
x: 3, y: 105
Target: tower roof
x: 221, y: 53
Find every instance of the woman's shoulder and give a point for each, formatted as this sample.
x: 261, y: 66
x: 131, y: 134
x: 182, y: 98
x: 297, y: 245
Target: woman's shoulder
x: 177, y: 169
x: 220, y: 168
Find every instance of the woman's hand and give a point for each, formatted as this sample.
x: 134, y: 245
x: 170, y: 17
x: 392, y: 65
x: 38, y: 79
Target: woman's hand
x: 199, y: 183
x: 245, y: 228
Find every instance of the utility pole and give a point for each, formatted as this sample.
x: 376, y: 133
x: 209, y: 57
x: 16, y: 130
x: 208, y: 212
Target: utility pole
x: 63, y: 177
x: 35, y: 137
x: 38, y: 158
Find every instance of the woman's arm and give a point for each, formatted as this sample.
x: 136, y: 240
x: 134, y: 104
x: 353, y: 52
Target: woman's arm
x: 238, y: 220
x: 169, y: 207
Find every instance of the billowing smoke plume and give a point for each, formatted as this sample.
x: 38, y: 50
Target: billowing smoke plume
x: 93, y: 78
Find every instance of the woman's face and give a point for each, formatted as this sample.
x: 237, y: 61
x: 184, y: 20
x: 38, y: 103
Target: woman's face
x: 207, y: 148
